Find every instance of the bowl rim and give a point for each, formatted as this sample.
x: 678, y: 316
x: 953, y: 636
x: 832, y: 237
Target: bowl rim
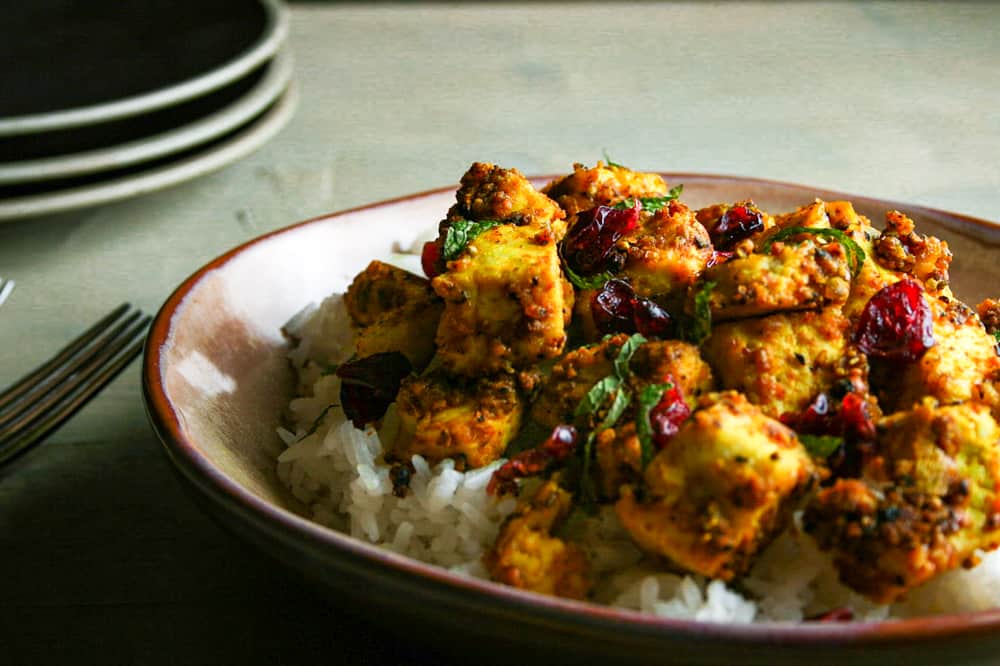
x: 284, y: 523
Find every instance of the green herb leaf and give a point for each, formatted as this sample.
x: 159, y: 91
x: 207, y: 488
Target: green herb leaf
x: 596, y: 396
x: 319, y: 419
x: 698, y: 327
x: 461, y: 233
x: 648, y: 399
x: 652, y: 204
x: 590, y: 282
x: 821, y: 446
x: 622, y: 400
x: 996, y: 336
x: 609, y: 162
x: 588, y: 494
x: 625, y: 354
x: 855, y: 255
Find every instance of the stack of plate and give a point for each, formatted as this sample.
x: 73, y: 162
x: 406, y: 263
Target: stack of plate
x: 105, y: 99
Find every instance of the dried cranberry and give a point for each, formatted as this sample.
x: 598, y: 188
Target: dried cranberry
x: 858, y: 424
x: 896, y: 323
x: 617, y: 309
x: 850, y: 420
x: 430, y: 259
x: 667, y: 416
x: 612, y: 307
x: 650, y: 319
x: 559, y: 446
x: 370, y: 384
x: 736, y: 223
x: 589, y: 246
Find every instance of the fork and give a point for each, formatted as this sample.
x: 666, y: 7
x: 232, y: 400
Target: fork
x: 6, y: 286
x: 45, y: 398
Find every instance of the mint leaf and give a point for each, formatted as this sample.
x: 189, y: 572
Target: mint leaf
x: 696, y: 328
x: 648, y: 399
x: 652, y: 204
x: 855, y: 255
x: 625, y: 354
x: 596, y: 396
x: 581, y: 282
x: 609, y: 162
x: 461, y: 233
x: 821, y: 446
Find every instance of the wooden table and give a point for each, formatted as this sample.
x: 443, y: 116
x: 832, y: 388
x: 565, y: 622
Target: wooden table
x: 105, y: 560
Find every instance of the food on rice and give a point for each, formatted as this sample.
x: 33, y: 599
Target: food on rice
x: 718, y: 414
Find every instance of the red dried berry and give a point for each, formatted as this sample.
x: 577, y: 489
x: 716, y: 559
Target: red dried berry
x: 858, y: 424
x: 617, y: 309
x: 650, y: 319
x: 559, y: 446
x: 370, y: 384
x: 670, y: 412
x: 736, y: 223
x: 850, y: 420
x: 588, y: 247
x: 430, y: 259
x: 612, y: 307
x: 896, y: 324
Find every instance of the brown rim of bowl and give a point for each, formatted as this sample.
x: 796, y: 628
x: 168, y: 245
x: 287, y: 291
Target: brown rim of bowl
x: 281, y: 522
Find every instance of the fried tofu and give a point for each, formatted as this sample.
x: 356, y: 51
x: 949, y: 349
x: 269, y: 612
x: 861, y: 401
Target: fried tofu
x: 471, y: 421
x: 507, y: 303
x: 792, y: 276
x: 383, y: 288
x: 491, y: 192
x: 927, y: 500
x: 653, y: 362
x: 782, y: 361
x: 962, y: 365
x: 393, y: 310
x: 602, y: 185
x: 667, y: 253
x: 721, y: 490
x: 527, y: 555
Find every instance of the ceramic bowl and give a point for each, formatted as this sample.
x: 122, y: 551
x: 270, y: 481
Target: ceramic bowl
x: 216, y: 380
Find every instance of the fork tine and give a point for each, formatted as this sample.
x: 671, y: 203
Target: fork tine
x: 38, y: 376
x: 73, y: 390
x: 6, y: 286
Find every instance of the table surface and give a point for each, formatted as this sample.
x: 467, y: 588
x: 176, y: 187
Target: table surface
x: 106, y: 560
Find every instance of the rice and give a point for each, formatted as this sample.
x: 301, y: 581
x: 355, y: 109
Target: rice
x: 448, y: 519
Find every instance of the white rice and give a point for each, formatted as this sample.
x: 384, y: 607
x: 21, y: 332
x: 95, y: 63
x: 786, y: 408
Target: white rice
x: 447, y: 518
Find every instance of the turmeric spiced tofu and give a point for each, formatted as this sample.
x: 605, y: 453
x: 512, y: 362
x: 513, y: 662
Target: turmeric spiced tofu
x: 506, y: 301
x: 470, y: 420
x: 782, y: 361
x: 394, y: 311
x: 602, y: 185
x: 527, y: 555
x: 927, y: 500
x: 719, y: 491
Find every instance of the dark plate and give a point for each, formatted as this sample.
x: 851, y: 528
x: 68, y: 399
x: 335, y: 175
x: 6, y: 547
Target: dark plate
x: 68, y: 63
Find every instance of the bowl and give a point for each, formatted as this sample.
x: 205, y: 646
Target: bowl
x: 216, y: 381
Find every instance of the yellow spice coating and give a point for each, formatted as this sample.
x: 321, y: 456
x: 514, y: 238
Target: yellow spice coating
x: 962, y: 365
x: 791, y: 276
x: 720, y: 490
x: 667, y: 252
x: 471, y: 421
x: 927, y: 500
x: 526, y: 555
x: 602, y: 185
x: 782, y: 361
x: 576, y: 372
x: 382, y: 288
